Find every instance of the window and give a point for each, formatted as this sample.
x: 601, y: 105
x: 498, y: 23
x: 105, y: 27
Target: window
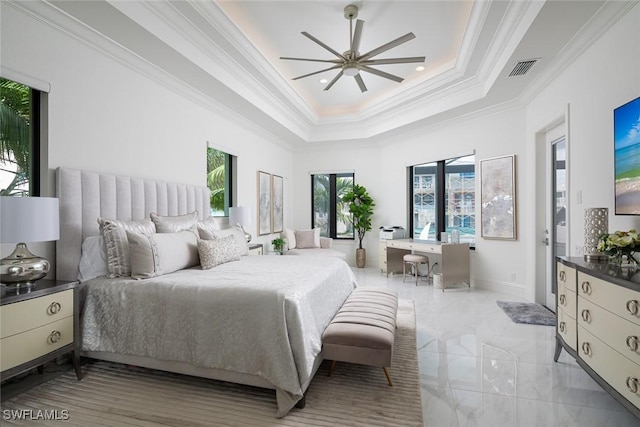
x: 220, y: 173
x: 443, y: 199
x: 329, y: 212
x: 19, y: 139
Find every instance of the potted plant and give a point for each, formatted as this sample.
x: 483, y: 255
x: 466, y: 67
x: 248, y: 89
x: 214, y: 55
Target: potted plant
x: 278, y: 245
x: 361, y: 209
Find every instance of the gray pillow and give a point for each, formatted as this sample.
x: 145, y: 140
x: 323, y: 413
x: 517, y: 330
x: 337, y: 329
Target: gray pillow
x: 218, y: 251
x: 173, y: 224
x: 207, y: 225
x: 305, y: 239
x: 162, y: 253
x: 114, y: 233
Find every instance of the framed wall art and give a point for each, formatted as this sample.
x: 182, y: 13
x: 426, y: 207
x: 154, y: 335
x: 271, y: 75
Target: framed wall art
x: 276, y: 204
x: 498, y: 198
x: 264, y: 203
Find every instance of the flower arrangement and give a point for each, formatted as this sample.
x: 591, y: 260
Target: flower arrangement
x: 619, y: 244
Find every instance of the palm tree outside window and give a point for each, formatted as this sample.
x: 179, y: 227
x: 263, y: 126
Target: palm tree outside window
x: 329, y: 212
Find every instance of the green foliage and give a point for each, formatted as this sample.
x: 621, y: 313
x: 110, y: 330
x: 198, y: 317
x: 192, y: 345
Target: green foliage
x: 361, y: 209
x: 15, y: 142
x: 278, y: 244
x: 216, y: 177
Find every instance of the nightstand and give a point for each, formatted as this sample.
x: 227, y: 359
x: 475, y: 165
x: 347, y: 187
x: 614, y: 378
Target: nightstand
x: 255, y: 249
x: 37, y: 325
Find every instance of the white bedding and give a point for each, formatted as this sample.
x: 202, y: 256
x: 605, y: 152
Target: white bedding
x: 262, y: 315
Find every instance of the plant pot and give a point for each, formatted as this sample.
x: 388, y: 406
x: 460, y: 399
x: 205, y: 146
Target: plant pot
x: 361, y: 257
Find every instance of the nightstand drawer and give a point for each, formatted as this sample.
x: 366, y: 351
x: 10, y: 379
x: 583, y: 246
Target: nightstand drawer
x: 34, y: 343
x: 29, y: 314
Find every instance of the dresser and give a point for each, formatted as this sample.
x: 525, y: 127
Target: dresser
x: 598, y: 308
x: 37, y: 325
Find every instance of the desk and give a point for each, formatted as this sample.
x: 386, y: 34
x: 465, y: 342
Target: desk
x: 454, y: 264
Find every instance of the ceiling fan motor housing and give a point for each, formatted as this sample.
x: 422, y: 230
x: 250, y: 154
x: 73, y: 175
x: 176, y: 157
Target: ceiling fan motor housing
x: 351, y: 12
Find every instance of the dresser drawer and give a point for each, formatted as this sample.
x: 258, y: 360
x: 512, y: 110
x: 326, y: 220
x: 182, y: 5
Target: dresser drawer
x: 29, y: 314
x: 567, y: 328
x: 618, y: 371
x: 420, y: 247
x: 619, y: 334
x: 567, y: 299
x: 34, y: 343
x: 617, y: 299
x: 566, y: 276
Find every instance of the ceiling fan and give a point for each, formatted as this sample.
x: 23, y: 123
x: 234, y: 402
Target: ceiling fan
x: 352, y: 62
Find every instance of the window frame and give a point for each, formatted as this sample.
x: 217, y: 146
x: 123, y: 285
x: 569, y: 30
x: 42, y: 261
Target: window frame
x: 440, y: 195
x: 333, y: 210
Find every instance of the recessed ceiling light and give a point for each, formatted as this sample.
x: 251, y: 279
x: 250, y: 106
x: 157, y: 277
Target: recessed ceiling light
x: 323, y: 81
x: 419, y: 68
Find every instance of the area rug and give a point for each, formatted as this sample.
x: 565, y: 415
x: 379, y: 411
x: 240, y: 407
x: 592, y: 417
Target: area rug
x: 111, y: 394
x: 527, y: 312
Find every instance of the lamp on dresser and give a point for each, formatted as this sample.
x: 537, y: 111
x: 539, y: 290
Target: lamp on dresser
x: 22, y: 220
x: 241, y: 216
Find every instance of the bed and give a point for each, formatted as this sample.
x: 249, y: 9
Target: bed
x: 256, y: 321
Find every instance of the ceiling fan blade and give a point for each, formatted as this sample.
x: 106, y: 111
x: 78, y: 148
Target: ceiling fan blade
x: 380, y: 73
x: 309, y: 36
x: 317, y: 72
x: 333, y: 61
x: 335, y: 79
x: 358, y: 78
x: 387, y: 46
x: 357, y: 36
x: 393, y: 60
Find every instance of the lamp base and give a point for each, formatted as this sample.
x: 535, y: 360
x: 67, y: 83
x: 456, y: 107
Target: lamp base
x: 246, y: 235
x: 22, y: 268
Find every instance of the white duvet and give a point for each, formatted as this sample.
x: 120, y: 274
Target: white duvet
x: 262, y: 315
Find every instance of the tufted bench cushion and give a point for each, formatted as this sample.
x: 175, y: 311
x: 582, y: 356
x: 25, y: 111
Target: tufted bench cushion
x: 363, y: 330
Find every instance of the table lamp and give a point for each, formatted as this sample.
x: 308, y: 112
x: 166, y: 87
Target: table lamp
x: 26, y: 219
x: 240, y: 215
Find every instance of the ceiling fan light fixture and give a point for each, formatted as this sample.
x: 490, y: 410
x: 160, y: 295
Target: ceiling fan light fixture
x: 350, y: 70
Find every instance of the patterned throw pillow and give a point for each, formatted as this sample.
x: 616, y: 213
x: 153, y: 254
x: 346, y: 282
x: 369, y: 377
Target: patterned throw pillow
x: 218, y: 251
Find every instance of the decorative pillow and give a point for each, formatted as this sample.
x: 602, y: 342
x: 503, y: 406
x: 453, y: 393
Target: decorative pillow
x: 290, y: 237
x: 173, y: 224
x: 218, y: 251
x: 114, y: 233
x: 161, y: 253
x: 241, y: 240
x: 207, y: 225
x: 93, y: 260
x: 306, y: 239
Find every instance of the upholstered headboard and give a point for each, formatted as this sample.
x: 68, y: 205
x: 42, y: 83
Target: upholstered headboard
x: 85, y: 196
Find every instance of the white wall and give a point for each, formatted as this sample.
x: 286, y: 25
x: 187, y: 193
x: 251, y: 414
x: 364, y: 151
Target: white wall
x: 104, y: 116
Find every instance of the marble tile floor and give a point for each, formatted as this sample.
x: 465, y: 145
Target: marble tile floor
x: 478, y: 368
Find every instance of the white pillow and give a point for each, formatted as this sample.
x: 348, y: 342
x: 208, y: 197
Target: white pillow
x: 218, y: 251
x: 207, y: 225
x: 93, y: 259
x: 290, y: 237
x: 306, y: 239
x: 241, y: 240
x: 114, y: 233
x: 162, y: 253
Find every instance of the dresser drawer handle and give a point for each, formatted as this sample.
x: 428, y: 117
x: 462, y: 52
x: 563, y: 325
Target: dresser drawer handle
x: 632, y: 342
x: 563, y: 276
x: 633, y: 307
x: 586, y: 316
x: 562, y: 327
x: 633, y: 384
x: 54, y: 337
x: 54, y: 308
x: 586, y: 348
x: 563, y: 299
x: 586, y: 287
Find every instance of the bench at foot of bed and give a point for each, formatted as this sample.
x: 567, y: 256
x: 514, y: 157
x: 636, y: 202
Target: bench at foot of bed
x: 363, y: 330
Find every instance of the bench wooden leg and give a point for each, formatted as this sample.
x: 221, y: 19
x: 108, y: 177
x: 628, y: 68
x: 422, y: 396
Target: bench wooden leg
x: 332, y: 368
x: 386, y: 372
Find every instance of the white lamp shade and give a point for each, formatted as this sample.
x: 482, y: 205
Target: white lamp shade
x: 29, y: 219
x: 240, y: 215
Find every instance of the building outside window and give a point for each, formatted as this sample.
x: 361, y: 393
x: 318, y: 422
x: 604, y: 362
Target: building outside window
x: 19, y: 139
x: 329, y: 212
x: 443, y: 199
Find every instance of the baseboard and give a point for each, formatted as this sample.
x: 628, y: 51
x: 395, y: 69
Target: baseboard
x: 502, y: 287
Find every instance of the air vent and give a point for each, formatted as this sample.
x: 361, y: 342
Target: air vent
x: 522, y: 67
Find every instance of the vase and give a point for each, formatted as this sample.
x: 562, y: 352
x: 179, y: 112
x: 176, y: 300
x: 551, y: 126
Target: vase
x: 361, y: 258
x: 623, y: 260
